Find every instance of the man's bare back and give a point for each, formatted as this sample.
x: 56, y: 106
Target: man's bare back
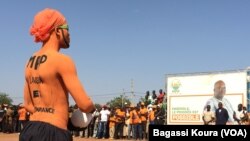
x: 50, y: 76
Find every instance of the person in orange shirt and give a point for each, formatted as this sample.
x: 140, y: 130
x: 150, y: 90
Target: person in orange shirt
x: 130, y: 125
x: 22, y: 117
x: 112, y: 125
x: 144, y: 115
x: 120, y: 120
x: 136, y: 123
x: 49, y: 77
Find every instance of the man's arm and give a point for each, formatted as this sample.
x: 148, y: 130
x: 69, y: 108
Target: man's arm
x: 213, y: 117
x: 235, y: 118
x: 212, y: 120
x: 203, y: 118
x: 226, y: 114
x: 68, y: 72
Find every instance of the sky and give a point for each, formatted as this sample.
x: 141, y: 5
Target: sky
x: 120, y: 46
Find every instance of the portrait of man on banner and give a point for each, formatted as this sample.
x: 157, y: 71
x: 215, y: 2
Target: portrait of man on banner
x: 219, y: 96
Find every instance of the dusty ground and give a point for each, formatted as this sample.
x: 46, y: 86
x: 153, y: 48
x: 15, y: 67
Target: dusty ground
x: 8, y: 137
x: 14, y: 137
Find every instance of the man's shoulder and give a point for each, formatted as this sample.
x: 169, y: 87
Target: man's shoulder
x: 208, y: 112
x: 60, y: 55
x: 210, y: 101
x: 52, y: 55
x: 61, y: 58
x: 225, y: 100
x: 224, y: 109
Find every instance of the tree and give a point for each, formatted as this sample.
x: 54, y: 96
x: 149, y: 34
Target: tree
x: 97, y: 106
x: 119, y: 102
x: 5, y: 99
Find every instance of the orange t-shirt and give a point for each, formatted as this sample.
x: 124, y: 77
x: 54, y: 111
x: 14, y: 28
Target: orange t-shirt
x: 144, y: 113
x: 111, y: 121
x: 135, y: 119
x: 151, y: 116
x: 120, y: 115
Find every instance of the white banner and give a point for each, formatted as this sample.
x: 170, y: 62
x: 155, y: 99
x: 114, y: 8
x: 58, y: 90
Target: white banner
x: 189, y: 94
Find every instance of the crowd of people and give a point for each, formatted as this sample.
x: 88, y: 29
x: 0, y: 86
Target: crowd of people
x: 12, y: 118
x: 128, y: 122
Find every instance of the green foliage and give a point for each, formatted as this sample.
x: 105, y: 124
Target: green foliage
x: 120, y: 101
x: 5, y: 99
x: 97, y: 106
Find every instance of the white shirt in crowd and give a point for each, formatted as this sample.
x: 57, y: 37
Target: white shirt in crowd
x: 104, y: 114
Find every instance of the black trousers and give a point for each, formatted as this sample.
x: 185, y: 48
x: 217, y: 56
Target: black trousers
x: 41, y: 131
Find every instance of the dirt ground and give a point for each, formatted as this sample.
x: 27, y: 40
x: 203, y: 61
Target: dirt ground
x: 14, y: 137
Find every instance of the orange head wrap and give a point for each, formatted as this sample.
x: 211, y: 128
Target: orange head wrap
x: 44, y: 22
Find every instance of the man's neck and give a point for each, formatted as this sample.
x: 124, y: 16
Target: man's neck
x: 51, y: 44
x: 219, y: 98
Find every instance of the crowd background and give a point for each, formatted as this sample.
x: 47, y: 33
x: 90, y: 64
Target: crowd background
x: 12, y: 118
x: 128, y: 121
x: 122, y: 121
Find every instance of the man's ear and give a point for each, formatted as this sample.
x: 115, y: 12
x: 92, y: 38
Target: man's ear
x: 57, y: 31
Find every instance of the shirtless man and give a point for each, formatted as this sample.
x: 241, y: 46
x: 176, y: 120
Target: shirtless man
x: 49, y: 77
